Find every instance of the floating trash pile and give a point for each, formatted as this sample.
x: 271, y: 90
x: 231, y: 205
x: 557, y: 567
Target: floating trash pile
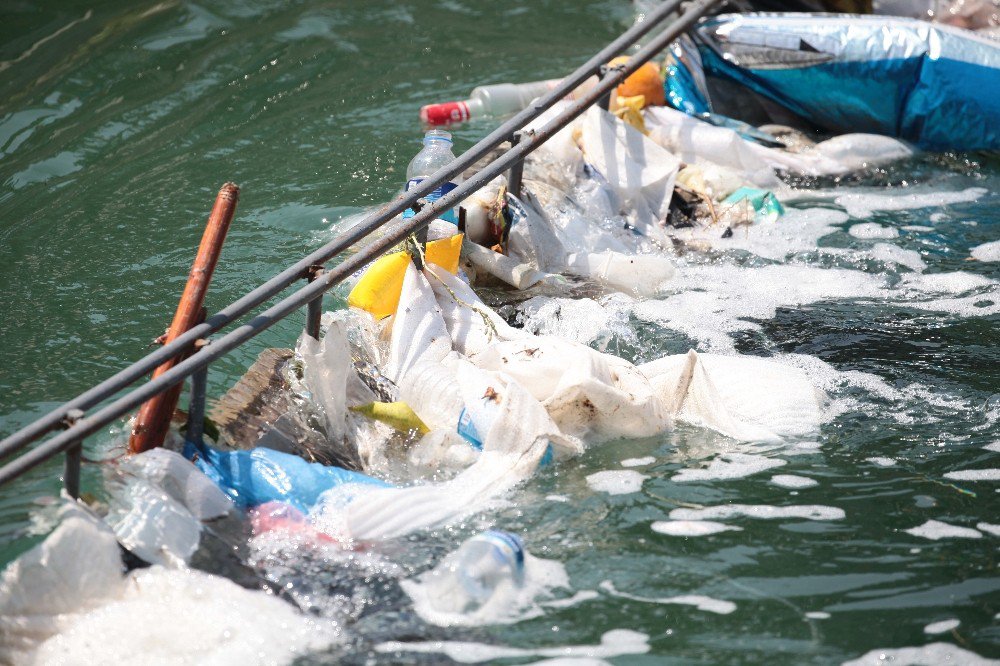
x: 537, y: 363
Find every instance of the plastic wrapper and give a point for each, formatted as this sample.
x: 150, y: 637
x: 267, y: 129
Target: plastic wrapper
x: 932, y: 85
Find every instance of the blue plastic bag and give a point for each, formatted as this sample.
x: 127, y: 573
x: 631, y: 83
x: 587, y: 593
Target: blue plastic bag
x: 254, y: 477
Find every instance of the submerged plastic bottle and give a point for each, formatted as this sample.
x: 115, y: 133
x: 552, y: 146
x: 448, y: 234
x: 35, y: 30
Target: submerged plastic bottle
x: 435, y: 154
x: 469, y: 577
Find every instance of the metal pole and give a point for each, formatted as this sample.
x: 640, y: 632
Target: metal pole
x: 516, y: 174
x: 196, y: 407
x: 322, y: 255
x: 314, y: 312
x: 391, y: 238
x: 74, y: 458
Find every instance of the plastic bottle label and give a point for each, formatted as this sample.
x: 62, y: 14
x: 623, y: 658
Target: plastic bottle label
x: 468, y: 430
x: 448, y: 215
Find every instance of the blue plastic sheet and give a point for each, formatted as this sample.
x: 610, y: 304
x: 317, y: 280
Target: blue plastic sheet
x: 254, y: 477
x: 933, y: 85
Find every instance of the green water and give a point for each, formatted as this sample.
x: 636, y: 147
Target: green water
x: 120, y: 120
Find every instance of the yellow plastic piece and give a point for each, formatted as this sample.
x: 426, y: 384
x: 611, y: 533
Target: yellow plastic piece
x: 395, y: 414
x: 445, y: 252
x: 629, y: 109
x: 379, y: 288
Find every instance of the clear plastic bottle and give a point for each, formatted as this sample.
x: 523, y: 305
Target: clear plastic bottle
x: 435, y: 154
x: 500, y: 99
x: 469, y: 577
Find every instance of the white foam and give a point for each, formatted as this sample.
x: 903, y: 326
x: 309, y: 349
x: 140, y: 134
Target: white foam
x: 863, y: 205
x: 729, y: 466
x: 870, y: 230
x: 691, y: 528
x: 582, y: 320
x: 759, y: 511
x: 638, y: 462
x: 614, y: 643
x: 712, y: 302
x: 882, y: 462
x: 995, y: 446
x: 578, y: 598
x: 925, y: 655
x: 701, y: 602
x: 989, y: 528
x: 186, y: 616
x: 616, y: 481
x: 509, y: 603
x: 818, y: 615
x: 941, y: 627
x: 893, y: 254
x: 974, y: 475
x: 557, y: 498
x: 935, y: 529
x: 987, y: 251
x: 793, y: 481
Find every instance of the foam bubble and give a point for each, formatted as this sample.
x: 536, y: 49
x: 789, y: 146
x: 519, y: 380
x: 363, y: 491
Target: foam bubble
x: 578, y: 598
x: 729, y: 466
x: 864, y: 204
x: 638, y: 462
x: 882, y: 462
x: 759, y: 511
x: 691, y: 528
x: 987, y: 251
x: 792, y: 481
x: 974, y: 475
x: 935, y: 529
x: 701, y: 602
x: 870, y: 230
x: 941, y: 627
x: 818, y: 615
x: 893, y: 254
x: 935, y: 653
x: 989, y: 528
x: 616, y: 481
x: 614, y: 643
x: 557, y: 498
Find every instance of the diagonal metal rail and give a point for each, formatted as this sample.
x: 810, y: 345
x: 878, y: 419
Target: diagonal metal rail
x: 82, y: 426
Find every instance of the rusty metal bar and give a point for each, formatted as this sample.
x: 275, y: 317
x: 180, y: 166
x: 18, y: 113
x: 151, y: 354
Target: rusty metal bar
x: 153, y: 420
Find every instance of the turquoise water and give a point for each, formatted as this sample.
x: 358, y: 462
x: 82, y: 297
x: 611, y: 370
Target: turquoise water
x: 119, y: 121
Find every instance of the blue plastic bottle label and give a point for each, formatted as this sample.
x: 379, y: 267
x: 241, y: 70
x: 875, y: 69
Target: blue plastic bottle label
x: 467, y: 429
x: 448, y: 215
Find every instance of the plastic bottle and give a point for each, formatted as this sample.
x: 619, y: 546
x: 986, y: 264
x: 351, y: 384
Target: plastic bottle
x: 435, y: 154
x: 469, y: 577
x: 500, y: 99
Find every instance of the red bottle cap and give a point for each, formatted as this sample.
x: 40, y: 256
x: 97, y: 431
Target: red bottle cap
x: 443, y: 114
